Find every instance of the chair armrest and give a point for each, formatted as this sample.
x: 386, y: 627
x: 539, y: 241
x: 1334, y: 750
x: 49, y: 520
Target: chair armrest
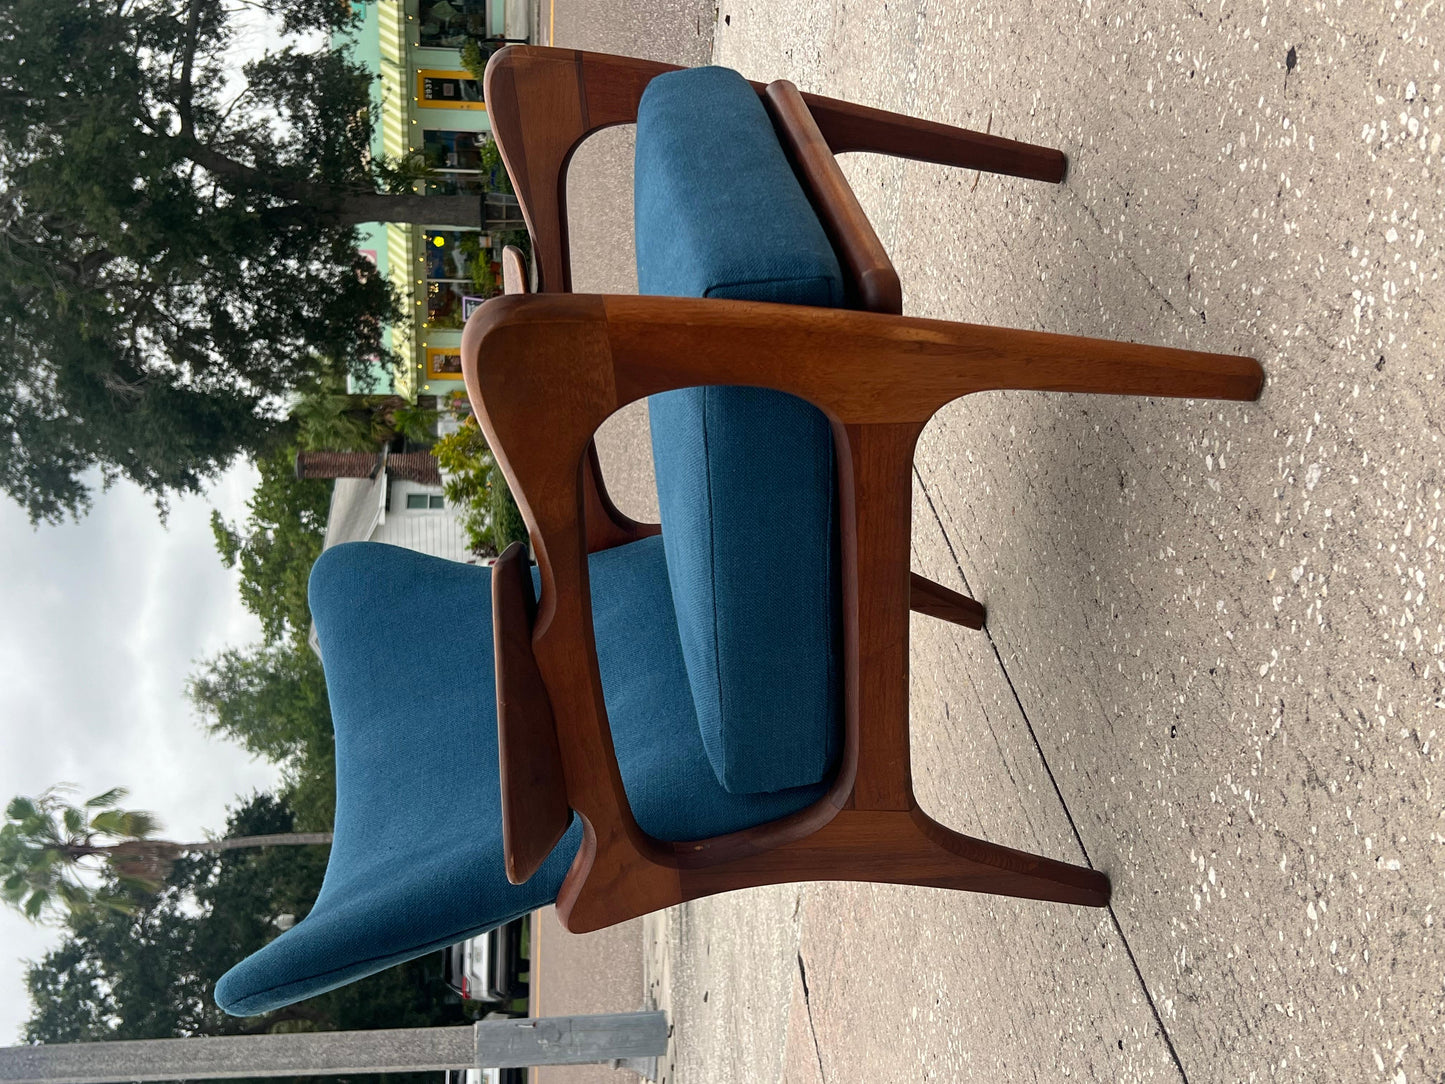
x: 535, y: 813
x: 871, y: 275
x: 864, y: 368
x: 848, y: 126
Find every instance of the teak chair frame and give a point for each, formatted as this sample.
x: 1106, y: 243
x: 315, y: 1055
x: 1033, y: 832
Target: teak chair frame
x: 543, y: 103
x: 879, y: 377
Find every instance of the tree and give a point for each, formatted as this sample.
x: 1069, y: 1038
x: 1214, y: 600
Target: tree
x: 149, y: 974
x: 475, y: 483
x: 45, y: 840
x: 47, y: 843
x: 327, y: 417
x: 277, y: 544
x: 177, y: 238
x: 271, y: 698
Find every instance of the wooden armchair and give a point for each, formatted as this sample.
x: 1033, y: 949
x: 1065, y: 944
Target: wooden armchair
x: 544, y: 103
x: 786, y: 760
x: 574, y: 360
x: 545, y: 371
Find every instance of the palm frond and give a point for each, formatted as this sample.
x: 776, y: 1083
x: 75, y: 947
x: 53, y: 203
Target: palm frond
x: 114, y: 901
x: 124, y: 823
x: 111, y: 797
x: 139, y: 824
x: 43, y: 858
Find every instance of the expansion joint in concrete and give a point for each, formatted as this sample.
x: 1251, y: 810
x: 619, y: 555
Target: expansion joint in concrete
x: 1058, y: 792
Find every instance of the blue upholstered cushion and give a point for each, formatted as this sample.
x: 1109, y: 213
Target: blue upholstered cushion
x: 719, y: 212
x: 744, y: 476
x: 416, y: 863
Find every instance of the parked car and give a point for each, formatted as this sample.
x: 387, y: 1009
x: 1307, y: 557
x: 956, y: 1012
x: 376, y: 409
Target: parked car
x: 486, y: 1076
x: 489, y: 966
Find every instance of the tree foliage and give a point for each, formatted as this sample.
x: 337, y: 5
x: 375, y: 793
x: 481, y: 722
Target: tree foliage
x: 177, y: 241
x: 475, y: 483
x: 276, y: 545
x: 150, y: 974
x: 329, y: 418
x: 271, y: 698
x: 47, y: 844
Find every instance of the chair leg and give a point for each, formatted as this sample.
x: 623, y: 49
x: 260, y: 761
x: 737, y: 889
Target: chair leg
x: 935, y: 600
x: 907, y: 847
x: 903, y: 847
x: 850, y: 127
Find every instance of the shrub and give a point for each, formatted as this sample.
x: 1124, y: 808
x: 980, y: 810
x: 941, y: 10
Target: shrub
x: 474, y: 483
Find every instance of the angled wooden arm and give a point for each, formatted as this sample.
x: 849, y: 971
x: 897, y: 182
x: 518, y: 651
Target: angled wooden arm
x: 850, y: 127
x: 535, y: 813
x: 866, y: 368
x: 577, y: 359
x: 872, y: 280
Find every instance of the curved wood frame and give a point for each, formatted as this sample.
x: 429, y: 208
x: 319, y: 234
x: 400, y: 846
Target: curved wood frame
x: 545, y: 102
x: 576, y: 359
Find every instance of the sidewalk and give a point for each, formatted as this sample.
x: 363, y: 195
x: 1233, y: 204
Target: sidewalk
x: 1213, y: 659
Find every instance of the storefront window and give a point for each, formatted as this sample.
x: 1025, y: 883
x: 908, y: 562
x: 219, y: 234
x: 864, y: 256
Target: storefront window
x: 450, y: 24
x: 454, y: 160
x: 459, y: 265
x: 450, y: 182
x: 453, y: 150
x: 462, y: 163
x: 444, y: 362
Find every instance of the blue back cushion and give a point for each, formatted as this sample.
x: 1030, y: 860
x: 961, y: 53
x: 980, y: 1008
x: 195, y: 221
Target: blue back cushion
x: 416, y: 863
x: 745, y: 476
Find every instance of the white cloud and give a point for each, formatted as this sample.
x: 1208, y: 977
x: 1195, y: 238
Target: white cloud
x: 103, y: 621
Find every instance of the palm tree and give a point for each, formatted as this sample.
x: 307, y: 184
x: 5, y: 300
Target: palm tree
x: 328, y: 417
x: 47, y: 843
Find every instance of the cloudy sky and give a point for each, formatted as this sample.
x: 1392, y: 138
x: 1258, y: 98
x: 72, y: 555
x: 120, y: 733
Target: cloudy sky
x: 103, y: 621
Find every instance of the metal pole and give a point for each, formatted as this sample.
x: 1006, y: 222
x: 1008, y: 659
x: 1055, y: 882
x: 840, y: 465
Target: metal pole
x: 499, y: 1044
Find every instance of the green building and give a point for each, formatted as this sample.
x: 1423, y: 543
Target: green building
x: 431, y: 105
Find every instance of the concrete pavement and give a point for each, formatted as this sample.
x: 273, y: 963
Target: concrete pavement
x: 1213, y: 658
x: 578, y: 975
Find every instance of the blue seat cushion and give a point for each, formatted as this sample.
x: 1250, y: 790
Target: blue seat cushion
x: 745, y: 476
x: 416, y: 863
